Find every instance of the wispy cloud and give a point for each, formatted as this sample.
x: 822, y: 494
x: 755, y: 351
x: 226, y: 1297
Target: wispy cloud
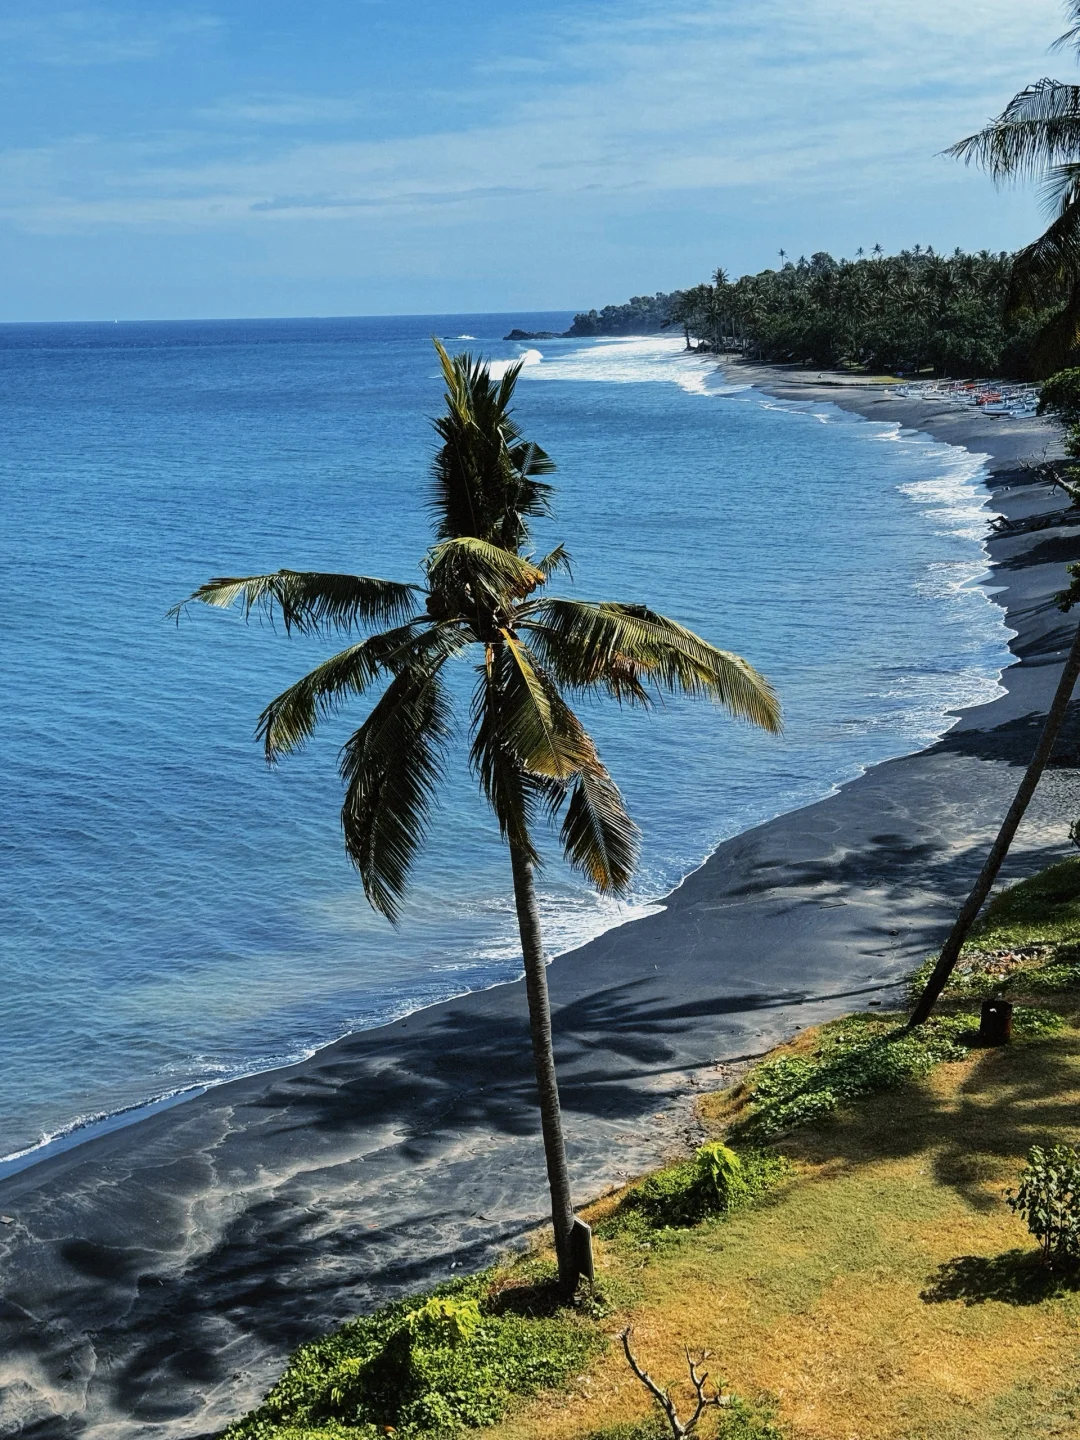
x: 287, y: 110
x: 797, y: 96
x: 99, y: 37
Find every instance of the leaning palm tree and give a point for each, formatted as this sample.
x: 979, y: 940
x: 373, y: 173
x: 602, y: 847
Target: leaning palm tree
x: 485, y: 601
x: 1037, y: 137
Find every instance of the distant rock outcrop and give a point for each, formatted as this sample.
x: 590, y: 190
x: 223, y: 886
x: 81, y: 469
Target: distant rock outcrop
x: 643, y: 315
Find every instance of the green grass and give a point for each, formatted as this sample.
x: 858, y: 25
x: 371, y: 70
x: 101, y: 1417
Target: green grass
x: 1027, y: 943
x: 843, y: 1246
x: 885, y: 1291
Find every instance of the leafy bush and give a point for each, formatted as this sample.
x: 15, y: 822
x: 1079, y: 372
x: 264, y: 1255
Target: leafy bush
x: 854, y: 1057
x: 424, y: 1368
x: 715, y: 1181
x: 1060, y: 396
x: 1048, y: 1198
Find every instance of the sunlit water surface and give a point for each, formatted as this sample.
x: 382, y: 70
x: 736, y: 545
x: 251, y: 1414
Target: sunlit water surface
x: 171, y: 913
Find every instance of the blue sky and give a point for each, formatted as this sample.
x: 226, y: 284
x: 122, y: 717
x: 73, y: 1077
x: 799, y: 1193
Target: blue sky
x: 267, y: 157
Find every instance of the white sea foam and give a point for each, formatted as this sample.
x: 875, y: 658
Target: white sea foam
x: 498, y: 368
x: 657, y: 358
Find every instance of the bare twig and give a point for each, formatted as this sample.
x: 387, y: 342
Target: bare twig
x: 679, y: 1428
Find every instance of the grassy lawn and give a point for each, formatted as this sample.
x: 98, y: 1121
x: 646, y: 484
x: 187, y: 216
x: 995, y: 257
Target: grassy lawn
x: 886, y: 1291
x: 868, y: 1282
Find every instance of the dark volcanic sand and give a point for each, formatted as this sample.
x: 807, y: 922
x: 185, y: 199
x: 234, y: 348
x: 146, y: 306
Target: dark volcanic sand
x: 153, y: 1281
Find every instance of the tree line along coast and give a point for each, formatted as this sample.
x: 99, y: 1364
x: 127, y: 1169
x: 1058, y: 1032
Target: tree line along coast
x: 996, y: 315
x: 900, y: 314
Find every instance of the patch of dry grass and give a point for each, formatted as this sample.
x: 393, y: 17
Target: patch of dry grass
x: 887, y: 1293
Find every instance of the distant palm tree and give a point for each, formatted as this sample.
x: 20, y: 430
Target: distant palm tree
x: 483, y: 597
x: 1037, y: 137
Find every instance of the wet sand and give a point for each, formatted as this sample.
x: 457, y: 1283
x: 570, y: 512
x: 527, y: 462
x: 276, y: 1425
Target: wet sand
x: 153, y: 1280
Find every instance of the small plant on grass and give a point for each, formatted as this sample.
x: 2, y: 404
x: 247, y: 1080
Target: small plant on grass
x: 714, y: 1182
x: 1048, y: 1198
x: 704, y: 1400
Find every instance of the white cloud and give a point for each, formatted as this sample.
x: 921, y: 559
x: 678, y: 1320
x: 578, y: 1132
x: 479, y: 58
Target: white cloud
x: 791, y: 96
x: 296, y: 110
x: 98, y: 37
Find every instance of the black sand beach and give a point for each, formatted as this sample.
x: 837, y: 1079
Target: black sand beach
x: 152, y: 1281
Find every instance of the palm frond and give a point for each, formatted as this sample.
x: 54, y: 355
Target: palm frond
x: 291, y: 718
x: 1072, y: 35
x: 583, y: 666
x: 554, y: 561
x: 598, y: 836
x: 477, y: 567
x: 513, y: 794
x: 1039, y: 127
x: 311, y: 602
x: 485, y: 473
x: 538, y: 727
x: 391, y: 767
x: 590, y: 644
x: 1043, y: 269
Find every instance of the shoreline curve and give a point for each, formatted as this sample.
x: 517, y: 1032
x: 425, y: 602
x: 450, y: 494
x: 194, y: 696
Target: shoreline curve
x: 154, y: 1278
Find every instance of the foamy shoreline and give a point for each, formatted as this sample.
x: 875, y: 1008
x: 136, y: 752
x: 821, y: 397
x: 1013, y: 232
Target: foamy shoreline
x: 208, y: 1239
x: 633, y: 362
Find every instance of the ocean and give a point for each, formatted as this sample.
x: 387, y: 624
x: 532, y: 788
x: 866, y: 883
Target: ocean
x: 171, y: 912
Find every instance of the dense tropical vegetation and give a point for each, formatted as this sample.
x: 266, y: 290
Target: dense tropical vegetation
x: 639, y: 316
x: 987, y: 314
x: 484, y: 600
x: 1037, y: 137
x: 901, y: 312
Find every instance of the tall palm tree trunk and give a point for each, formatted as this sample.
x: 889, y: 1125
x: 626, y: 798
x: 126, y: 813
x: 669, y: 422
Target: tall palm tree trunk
x: 951, y: 950
x: 536, y: 987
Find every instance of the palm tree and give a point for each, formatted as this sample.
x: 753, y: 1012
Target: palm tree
x: 484, y: 598
x: 1037, y: 137
x: 950, y: 951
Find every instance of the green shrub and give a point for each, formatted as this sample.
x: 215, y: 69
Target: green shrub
x: 1060, y: 396
x: 426, y: 1369
x: 715, y: 1181
x: 854, y: 1057
x: 1048, y: 1198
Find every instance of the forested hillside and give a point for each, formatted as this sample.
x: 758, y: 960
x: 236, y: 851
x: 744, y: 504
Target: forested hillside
x: 903, y: 312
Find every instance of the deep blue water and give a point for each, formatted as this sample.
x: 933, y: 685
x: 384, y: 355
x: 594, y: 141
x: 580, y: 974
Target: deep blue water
x: 171, y: 912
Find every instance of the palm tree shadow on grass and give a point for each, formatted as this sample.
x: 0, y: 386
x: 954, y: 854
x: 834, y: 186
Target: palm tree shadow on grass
x: 1015, y: 1277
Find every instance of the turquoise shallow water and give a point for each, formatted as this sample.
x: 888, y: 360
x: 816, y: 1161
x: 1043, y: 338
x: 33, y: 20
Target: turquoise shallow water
x: 171, y: 913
